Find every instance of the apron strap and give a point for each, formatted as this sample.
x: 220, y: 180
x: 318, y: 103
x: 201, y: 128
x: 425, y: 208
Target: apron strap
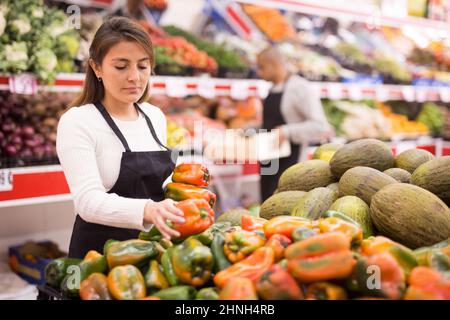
x: 112, y: 124
x: 150, y: 125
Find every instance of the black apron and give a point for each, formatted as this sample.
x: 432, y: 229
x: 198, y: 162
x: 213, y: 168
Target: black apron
x: 141, y: 176
x: 273, y: 118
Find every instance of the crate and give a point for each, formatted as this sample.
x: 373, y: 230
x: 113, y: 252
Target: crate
x: 31, y: 269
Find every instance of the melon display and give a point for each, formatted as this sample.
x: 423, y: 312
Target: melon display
x: 410, y: 215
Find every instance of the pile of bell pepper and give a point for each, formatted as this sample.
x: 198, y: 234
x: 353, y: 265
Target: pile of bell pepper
x: 286, y: 257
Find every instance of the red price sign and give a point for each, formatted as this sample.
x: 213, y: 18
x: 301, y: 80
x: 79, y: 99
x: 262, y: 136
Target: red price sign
x: 23, y: 84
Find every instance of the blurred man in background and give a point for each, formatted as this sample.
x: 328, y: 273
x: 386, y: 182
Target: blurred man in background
x: 292, y: 108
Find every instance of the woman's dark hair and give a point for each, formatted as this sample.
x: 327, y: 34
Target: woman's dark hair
x: 110, y: 33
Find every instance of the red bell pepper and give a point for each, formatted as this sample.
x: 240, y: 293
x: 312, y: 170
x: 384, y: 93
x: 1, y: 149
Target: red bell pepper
x: 277, y: 284
x: 238, y: 289
x: 192, y: 173
x: 285, y: 225
x: 198, y: 217
x: 251, y: 267
x: 428, y: 284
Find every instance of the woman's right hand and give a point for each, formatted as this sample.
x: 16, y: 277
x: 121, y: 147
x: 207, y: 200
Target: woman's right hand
x: 158, y: 213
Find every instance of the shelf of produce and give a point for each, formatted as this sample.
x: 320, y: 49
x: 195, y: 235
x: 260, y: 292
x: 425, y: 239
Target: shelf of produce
x: 172, y: 86
x: 367, y: 14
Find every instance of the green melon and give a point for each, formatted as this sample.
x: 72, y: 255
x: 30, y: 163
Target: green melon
x: 326, y: 151
x: 334, y: 186
x: 356, y: 209
x: 398, y: 174
x: 434, y: 176
x: 280, y: 203
x: 314, y: 203
x: 305, y: 176
x: 365, y: 152
x: 410, y: 215
x: 411, y: 159
x: 363, y: 182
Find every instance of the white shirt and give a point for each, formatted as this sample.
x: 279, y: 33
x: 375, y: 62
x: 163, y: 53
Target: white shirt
x: 90, y: 155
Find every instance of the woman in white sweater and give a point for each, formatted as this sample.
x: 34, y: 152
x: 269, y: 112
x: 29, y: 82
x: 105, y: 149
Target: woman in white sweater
x: 111, y: 144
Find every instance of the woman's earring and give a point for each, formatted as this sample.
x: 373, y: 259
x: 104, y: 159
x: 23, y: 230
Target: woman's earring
x: 99, y: 79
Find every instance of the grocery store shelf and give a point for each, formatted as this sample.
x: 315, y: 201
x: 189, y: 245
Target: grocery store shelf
x: 368, y: 14
x: 243, y: 88
x: 172, y: 86
x: 336, y: 91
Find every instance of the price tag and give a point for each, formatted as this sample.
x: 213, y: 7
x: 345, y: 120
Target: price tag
x: 206, y: 88
x: 23, y: 84
x: 408, y: 93
x: 6, y: 180
x: 444, y: 93
x: 335, y: 92
x: 239, y: 90
x: 176, y: 87
x: 382, y: 93
x: 354, y: 92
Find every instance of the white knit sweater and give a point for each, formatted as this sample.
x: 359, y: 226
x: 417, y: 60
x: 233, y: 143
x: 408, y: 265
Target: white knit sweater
x: 90, y: 155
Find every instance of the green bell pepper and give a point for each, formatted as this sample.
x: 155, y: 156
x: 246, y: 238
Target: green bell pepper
x: 166, y: 262
x: 56, y: 270
x: 134, y: 252
x: 192, y: 262
x: 207, y: 294
x: 220, y: 259
x: 176, y: 293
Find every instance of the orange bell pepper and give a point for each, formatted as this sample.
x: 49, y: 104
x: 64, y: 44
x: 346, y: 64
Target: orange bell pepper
x: 95, y: 287
x: 278, y: 243
x: 181, y: 191
x: 126, y: 283
x: 334, y: 224
x: 379, y: 275
x: 325, y: 291
x: 285, y: 225
x: 251, y: 267
x: 322, y: 257
x: 239, y: 244
x: 251, y: 223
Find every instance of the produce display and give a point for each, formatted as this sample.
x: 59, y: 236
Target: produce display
x: 375, y: 119
x: 175, y: 55
x: 270, y: 21
x: 28, y: 127
x: 227, y: 60
x: 36, y: 39
x: 320, y: 246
